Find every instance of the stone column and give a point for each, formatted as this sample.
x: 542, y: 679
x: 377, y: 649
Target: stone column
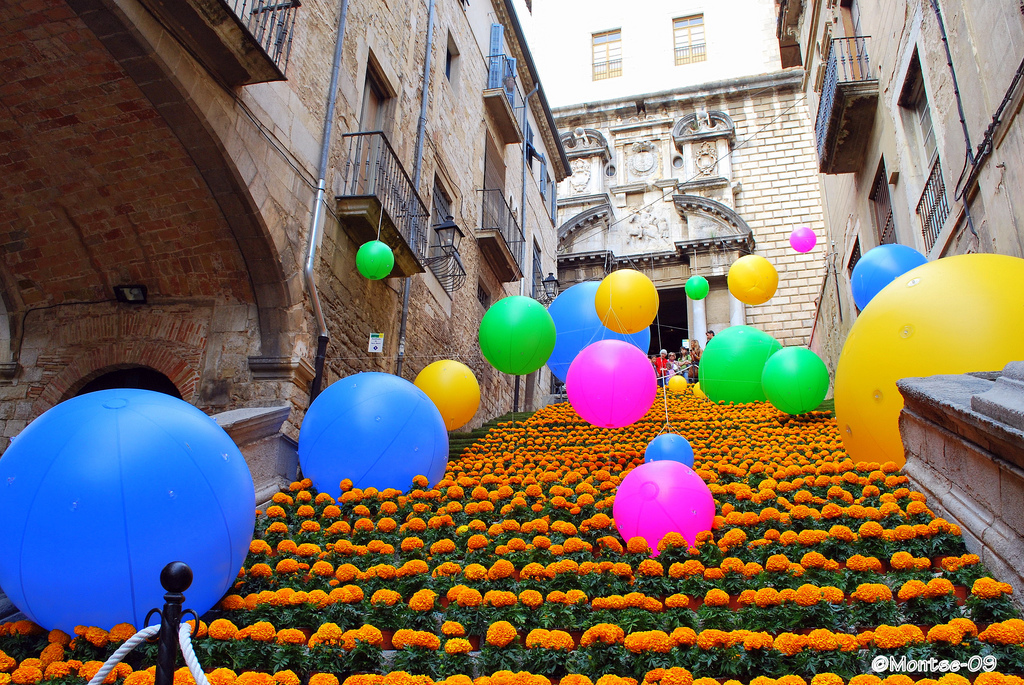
x: 699, y: 325
x: 737, y: 312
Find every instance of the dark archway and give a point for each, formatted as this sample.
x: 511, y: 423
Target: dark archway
x: 671, y: 327
x: 139, y: 377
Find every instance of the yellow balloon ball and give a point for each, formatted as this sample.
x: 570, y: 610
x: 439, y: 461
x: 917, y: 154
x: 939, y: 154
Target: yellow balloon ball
x: 753, y: 279
x: 453, y: 389
x: 677, y: 384
x: 626, y: 301
x: 697, y: 391
x: 911, y: 328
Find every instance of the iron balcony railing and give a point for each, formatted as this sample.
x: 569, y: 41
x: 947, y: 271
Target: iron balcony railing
x: 847, y: 63
x: 496, y: 215
x: 609, y: 69
x: 372, y: 169
x: 271, y: 24
x: 501, y: 73
x: 932, y: 208
x: 686, y: 54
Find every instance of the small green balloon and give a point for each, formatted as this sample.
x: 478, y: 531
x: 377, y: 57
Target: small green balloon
x: 517, y: 335
x: 731, y: 366
x: 374, y: 260
x: 697, y: 287
x: 795, y: 380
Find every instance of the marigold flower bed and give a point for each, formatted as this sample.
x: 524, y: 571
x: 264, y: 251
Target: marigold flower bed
x: 511, y: 571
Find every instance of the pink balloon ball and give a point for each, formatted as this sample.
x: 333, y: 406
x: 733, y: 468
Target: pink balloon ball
x: 803, y: 239
x: 662, y: 497
x: 611, y: 383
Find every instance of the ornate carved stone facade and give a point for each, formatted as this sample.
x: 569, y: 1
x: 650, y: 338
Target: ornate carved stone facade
x: 687, y: 184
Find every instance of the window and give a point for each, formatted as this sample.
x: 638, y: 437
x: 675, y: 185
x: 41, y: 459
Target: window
x: 482, y: 296
x: 881, y: 206
x: 440, y: 209
x: 451, y: 61
x: 854, y: 256
x: 607, y: 54
x: 375, y: 100
x: 538, y: 273
x: 933, y: 207
x: 688, y: 33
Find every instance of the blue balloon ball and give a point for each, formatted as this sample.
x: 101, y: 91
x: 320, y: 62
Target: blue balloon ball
x: 879, y: 267
x: 669, y: 447
x: 577, y: 325
x: 376, y: 429
x: 104, y: 490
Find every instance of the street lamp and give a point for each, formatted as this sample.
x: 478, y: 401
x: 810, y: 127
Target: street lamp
x: 550, y: 287
x: 449, y: 235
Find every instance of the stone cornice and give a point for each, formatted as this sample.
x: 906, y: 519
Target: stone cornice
x: 788, y: 80
x: 584, y: 218
x: 689, y: 203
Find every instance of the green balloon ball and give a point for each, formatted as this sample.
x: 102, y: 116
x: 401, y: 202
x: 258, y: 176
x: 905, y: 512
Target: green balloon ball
x: 374, y: 260
x: 697, y: 287
x: 795, y: 380
x: 731, y: 366
x: 517, y: 335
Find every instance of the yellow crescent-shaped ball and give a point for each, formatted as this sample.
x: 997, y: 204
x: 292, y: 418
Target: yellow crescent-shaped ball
x: 453, y: 389
x: 905, y: 331
x: 697, y: 391
x: 753, y: 279
x: 677, y: 384
x: 626, y: 301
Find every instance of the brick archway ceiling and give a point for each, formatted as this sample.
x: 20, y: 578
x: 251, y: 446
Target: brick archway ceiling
x: 97, y: 190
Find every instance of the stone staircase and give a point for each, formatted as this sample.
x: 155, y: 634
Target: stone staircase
x: 460, y: 441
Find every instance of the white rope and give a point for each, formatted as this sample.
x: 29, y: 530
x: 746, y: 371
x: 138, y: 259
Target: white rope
x: 122, y: 651
x: 185, y: 641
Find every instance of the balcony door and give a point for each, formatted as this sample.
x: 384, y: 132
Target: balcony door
x: 368, y: 151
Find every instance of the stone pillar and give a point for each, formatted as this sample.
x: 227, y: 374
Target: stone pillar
x: 964, y: 441
x: 699, y: 325
x: 737, y: 312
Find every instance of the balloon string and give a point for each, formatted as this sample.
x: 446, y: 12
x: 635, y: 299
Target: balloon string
x: 380, y: 220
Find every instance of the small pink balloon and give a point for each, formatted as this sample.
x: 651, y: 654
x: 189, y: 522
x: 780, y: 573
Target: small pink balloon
x: 611, y: 383
x: 803, y: 239
x: 662, y: 497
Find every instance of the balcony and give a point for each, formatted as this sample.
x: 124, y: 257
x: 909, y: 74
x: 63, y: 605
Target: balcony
x: 688, y: 54
x: 239, y: 41
x: 933, y: 207
x: 500, y: 239
x: 376, y: 194
x: 503, y: 99
x: 846, y: 111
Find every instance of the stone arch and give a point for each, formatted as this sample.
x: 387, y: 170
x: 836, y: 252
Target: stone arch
x: 125, y: 376
x: 588, y: 217
x: 262, y: 248
x: 92, y: 364
x: 700, y: 126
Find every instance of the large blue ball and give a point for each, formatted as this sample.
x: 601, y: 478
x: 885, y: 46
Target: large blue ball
x: 102, y: 491
x: 669, y: 447
x: 376, y: 429
x: 577, y: 325
x: 879, y: 267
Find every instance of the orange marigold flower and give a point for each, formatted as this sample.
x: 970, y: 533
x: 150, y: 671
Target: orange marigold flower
x: 500, y: 634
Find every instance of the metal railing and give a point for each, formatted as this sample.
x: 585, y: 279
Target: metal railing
x: 847, y: 62
x: 496, y: 215
x: 270, y: 24
x: 449, y: 271
x: 933, y: 208
x: 686, y: 54
x: 501, y: 73
x: 609, y: 69
x: 372, y: 169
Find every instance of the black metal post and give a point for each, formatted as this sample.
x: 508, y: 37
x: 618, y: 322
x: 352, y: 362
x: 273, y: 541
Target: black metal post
x: 175, y: 578
x: 515, y: 398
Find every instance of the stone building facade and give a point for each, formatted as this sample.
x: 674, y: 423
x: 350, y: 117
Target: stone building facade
x: 699, y: 178
x: 159, y: 176
x: 914, y: 147
x: 693, y: 149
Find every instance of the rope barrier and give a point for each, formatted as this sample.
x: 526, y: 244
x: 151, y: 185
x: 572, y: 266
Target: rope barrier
x: 184, y: 641
x: 122, y: 651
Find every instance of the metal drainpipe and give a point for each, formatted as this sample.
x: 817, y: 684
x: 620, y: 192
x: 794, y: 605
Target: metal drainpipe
x: 522, y: 216
x: 421, y: 132
x: 315, y: 223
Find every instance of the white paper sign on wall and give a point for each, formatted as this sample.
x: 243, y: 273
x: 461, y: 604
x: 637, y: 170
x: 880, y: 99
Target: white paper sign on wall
x: 376, y: 342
